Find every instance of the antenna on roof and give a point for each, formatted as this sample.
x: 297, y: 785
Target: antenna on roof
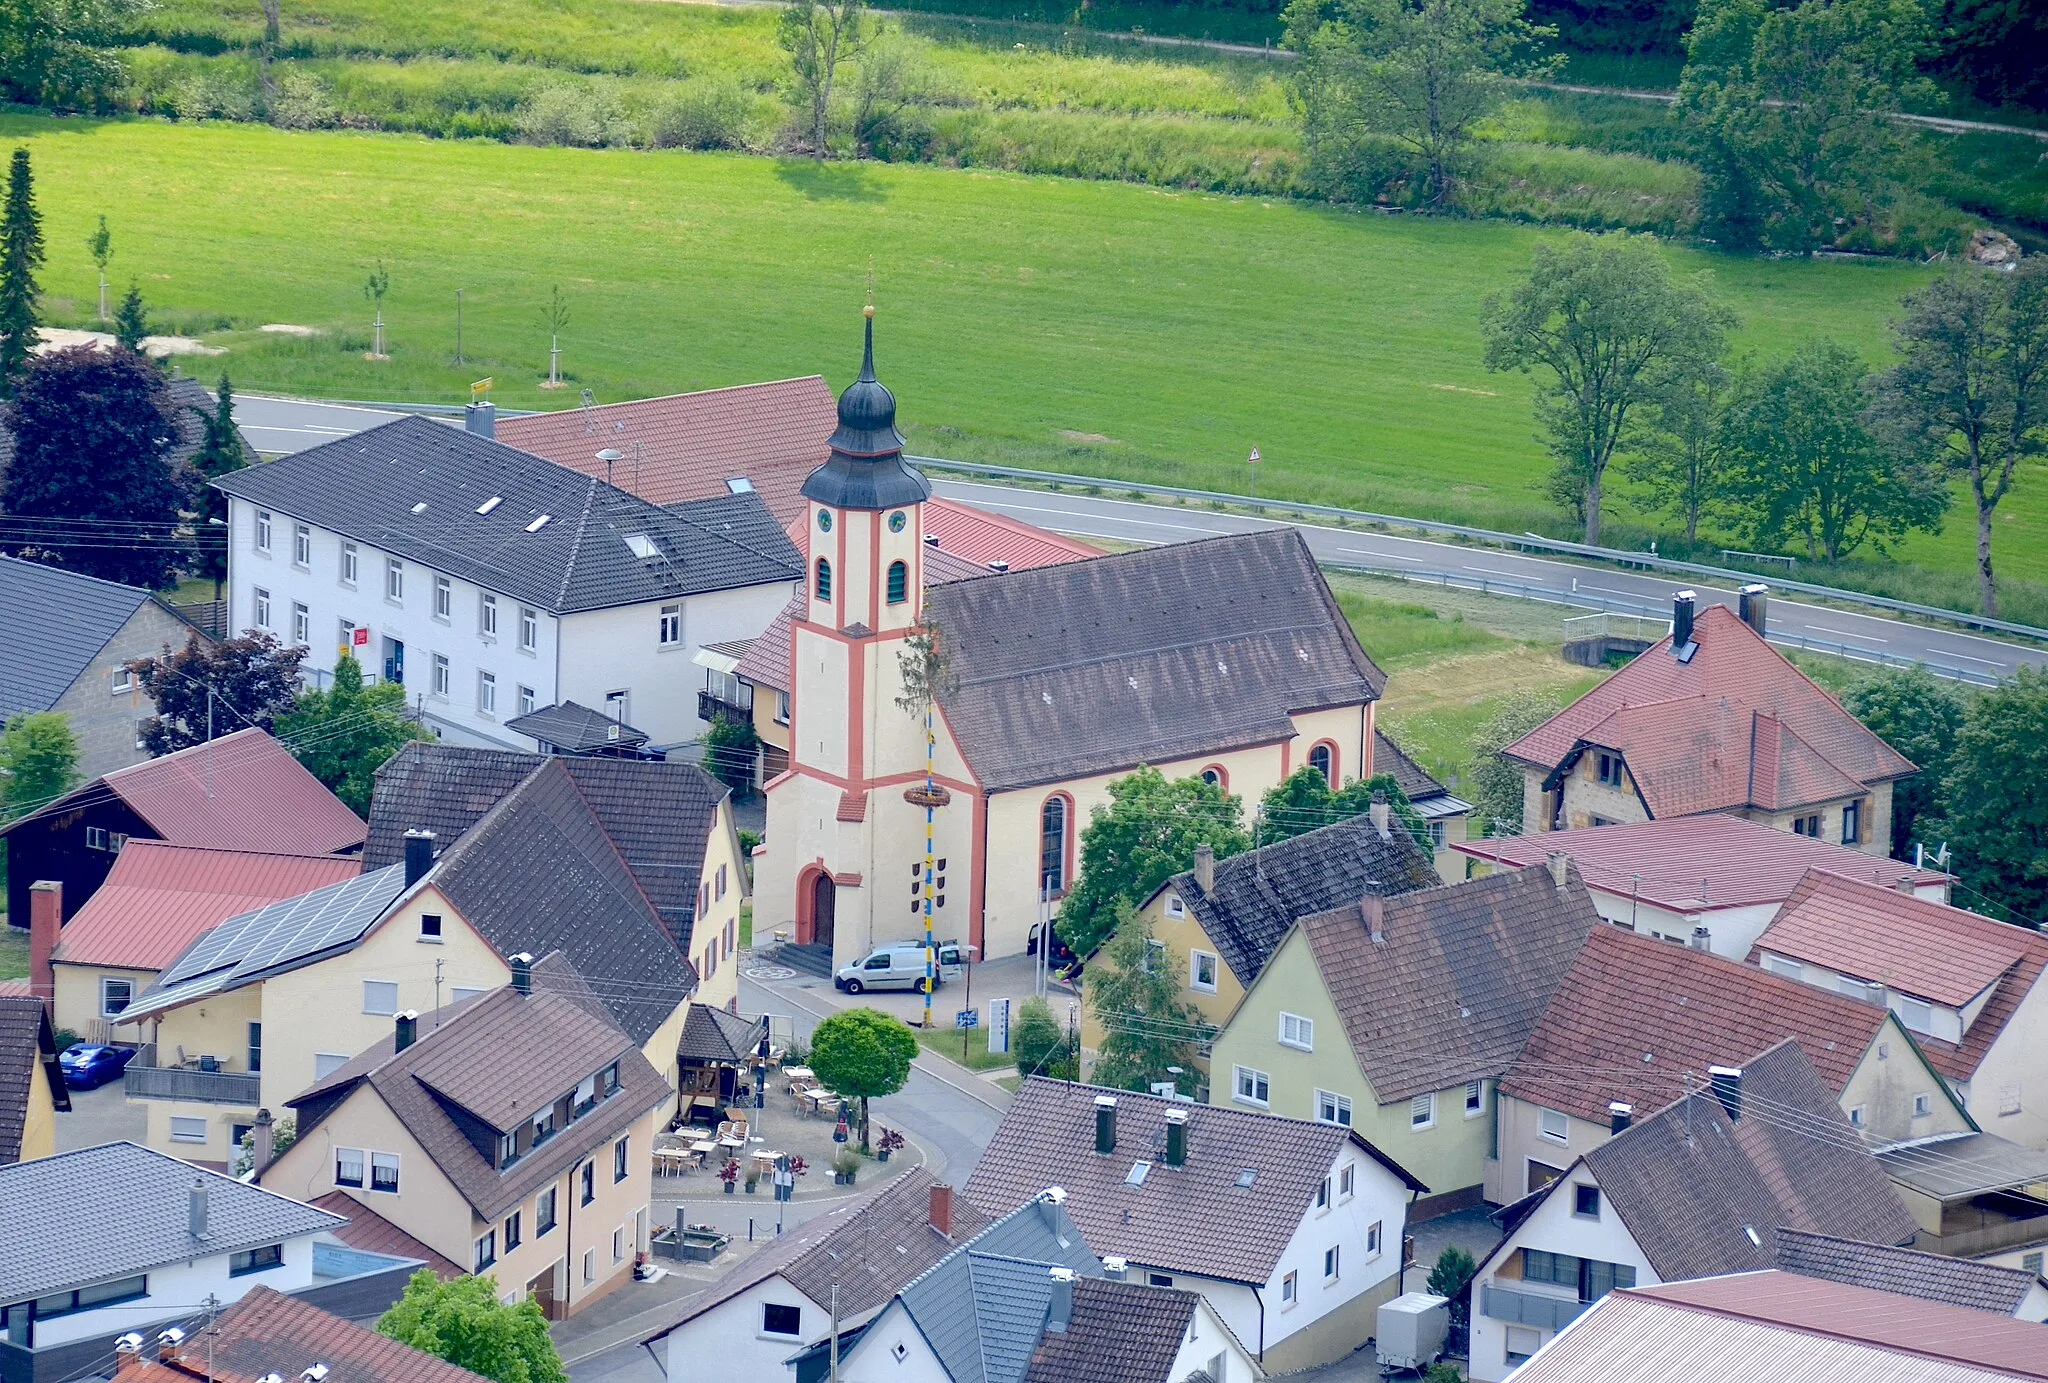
x: 589, y: 414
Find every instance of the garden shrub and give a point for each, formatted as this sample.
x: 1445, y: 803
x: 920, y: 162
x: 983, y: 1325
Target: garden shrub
x: 302, y: 103
x: 709, y: 114
x: 586, y: 115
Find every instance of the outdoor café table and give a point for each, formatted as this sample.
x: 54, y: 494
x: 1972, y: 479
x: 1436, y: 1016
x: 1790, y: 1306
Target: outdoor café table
x: 797, y: 1074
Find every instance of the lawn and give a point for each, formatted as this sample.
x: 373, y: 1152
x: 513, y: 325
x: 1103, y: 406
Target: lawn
x: 13, y: 951
x: 946, y: 1043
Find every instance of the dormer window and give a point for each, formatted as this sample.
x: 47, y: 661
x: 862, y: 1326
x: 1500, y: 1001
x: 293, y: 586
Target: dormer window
x: 508, y: 1149
x: 543, y: 1126
x: 611, y: 1080
x: 586, y: 1096
x: 1609, y: 768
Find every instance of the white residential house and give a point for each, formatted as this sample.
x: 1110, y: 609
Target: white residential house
x: 493, y: 584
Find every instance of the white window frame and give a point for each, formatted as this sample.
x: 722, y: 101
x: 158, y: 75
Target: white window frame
x: 394, y: 580
x: 1176, y: 906
x: 351, y: 568
x: 185, y: 1122
x: 1297, y: 1031
x: 381, y: 1160
x: 1923, y: 1105
x: 669, y: 627
x: 1475, y: 1099
x: 444, y: 598
x: 121, y: 681
x: 1554, y: 1125
x: 106, y: 981
x: 1330, y: 1105
x: 1375, y: 1239
x: 1347, y: 1182
x: 1257, y: 1080
x: 391, y: 985
x: 529, y: 629
x: 1197, y: 960
x: 1858, y: 1116
x: 1425, y: 1105
x: 302, y: 623
x: 443, y: 676
x: 782, y: 708
x: 1333, y: 1265
x: 261, y: 612
x: 527, y: 700
x: 486, y: 691
x: 302, y: 546
x: 263, y: 530
x: 362, y: 1165
x: 487, y: 615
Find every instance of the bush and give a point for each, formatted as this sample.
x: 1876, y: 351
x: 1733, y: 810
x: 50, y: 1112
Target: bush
x: 219, y: 93
x: 710, y: 114
x: 1041, y: 1043
x: 729, y: 747
x: 303, y: 103
x: 586, y: 115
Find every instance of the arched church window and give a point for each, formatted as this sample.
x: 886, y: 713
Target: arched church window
x: 899, y: 582
x: 824, y: 579
x: 1323, y: 761
x: 1052, y: 847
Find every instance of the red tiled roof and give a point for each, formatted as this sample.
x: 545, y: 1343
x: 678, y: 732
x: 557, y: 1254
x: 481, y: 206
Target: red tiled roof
x: 159, y: 898
x: 1736, y: 726
x: 766, y: 661
x: 15, y: 989
x: 269, y: 1333
x: 1636, y: 1014
x: 372, y: 1233
x: 239, y: 792
x: 1941, y: 954
x: 1695, y: 863
x: 773, y: 434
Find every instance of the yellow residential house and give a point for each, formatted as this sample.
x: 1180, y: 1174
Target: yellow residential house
x: 31, y: 1083
x: 1220, y: 921
x: 1397, y: 1016
x: 512, y: 1136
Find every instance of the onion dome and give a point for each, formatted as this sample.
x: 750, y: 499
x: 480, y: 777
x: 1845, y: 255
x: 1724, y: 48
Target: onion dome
x: 866, y: 469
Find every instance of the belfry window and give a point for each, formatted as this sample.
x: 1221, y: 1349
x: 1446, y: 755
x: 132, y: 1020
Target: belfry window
x: 824, y: 582
x: 899, y: 582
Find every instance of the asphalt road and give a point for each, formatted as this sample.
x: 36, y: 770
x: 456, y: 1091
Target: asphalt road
x: 281, y: 425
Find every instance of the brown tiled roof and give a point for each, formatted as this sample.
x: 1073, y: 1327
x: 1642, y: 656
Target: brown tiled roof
x: 1195, y: 1218
x: 1261, y: 893
x: 1907, y: 1272
x: 239, y: 792
x: 1144, y: 657
x: 1836, y: 1311
x: 372, y: 1233
x: 1737, y: 725
x: 1691, y: 1184
x: 766, y: 661
x: 1695, y: 863
x: 1644, y: 1013
x: 1120, y: 1332
x: 159, y: 898
x: 869, y: 1248
x: 267, y: 1332
x: 501, y: 1058
x: 25, y: 1039
x: 1409, y: 776
x: 1456, y: 979
x: 1924, y: 949
x: 691, y: 445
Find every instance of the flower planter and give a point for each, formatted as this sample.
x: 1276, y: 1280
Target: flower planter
x: 752, y: 1187
x: 882, y: 1155
x: 728, y: 1188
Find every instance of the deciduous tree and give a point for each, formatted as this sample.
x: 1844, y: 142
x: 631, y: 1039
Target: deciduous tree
x: 1496, y: 781
x: 1998, y: 807
x: 1303, y: 801
x: 462, y: 1320
x: 61, y: 52
x: 862, y: 1054
x: 91, y: 486
x: 208, y: 689
x: 221, y: 450
x: 38, y: 762
x: 344, y: 734
x: 1921, y: 716
x: 21, y: 254
x: 1135, y: 990
x: 819, y: 35
x: 1613, y: 332
x: 1422, y: 73
x: 1681, y: 458
x: 1043, y: 1047
x: 1812, y: 473
x: 1971, y: 393
x: 729, y: 748
x: 1145, y: 834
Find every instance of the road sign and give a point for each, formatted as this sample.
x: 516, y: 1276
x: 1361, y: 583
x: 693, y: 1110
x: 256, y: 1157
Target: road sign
x: 998, y: 1026
x: 967, y: 1018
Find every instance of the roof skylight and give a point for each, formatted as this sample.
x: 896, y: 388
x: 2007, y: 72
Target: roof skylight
x: 641, y: 546
x: 538, y: 523
x: 488, y: 505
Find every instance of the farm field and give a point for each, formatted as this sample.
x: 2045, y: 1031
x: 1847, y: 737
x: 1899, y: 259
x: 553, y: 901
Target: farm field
x: 1097, y: 327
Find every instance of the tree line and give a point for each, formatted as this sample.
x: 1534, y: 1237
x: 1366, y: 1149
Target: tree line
x: 1812, y: 454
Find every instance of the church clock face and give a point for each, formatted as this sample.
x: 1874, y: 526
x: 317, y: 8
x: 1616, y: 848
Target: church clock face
x: 896, y: 521
x: 824, y: 520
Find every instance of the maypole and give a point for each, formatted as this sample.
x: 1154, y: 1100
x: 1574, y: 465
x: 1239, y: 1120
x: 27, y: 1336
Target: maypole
x: 923, y: 672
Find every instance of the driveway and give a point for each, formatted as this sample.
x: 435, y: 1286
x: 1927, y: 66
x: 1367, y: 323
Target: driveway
x: 101, y: 1116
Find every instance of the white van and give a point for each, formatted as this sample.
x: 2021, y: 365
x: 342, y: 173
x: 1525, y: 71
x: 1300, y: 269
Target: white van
x: 898, y: 965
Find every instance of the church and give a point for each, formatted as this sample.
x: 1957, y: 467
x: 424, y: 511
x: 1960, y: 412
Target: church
x: 1226, y: 657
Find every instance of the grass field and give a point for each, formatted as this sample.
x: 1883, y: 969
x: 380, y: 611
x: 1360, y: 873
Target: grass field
x: 13, y: 953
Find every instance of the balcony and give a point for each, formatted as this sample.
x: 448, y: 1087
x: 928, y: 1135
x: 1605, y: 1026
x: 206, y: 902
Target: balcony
x: 1527, y: 1308
x: 710, y: 707
x: 189, y: 1083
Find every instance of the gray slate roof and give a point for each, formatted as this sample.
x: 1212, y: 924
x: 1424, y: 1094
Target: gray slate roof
x: 1261, y: 893
x: 574, y: 728
x: 271, y: 940
x: 366, y: 487
x: 982, y: 1308
x: 1687, y: 1181
x: 1906, y: 1272
x: 1120, y: 1332
x: 63, y: 1229
x: 659, y: 815
x: 501, y: 1058
x: 1458, y: 978
x: 1409, y: 776
x: 55, y: 622
x: 1144, y: 657
x: 1195, y: 1218
x: 25, y: 1041
x: 712, y: 1034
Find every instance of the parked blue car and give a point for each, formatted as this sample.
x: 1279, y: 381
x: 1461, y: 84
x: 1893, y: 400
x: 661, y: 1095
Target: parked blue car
x: 88, y: 1066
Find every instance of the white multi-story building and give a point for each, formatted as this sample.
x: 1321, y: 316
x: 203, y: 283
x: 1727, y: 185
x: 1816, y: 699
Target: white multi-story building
x: 493, y: 583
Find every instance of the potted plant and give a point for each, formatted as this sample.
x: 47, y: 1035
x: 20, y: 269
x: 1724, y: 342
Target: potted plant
x: 891, y: 1141
x: 729, y: 1174
x: 797, y: 1166
x: 753, y: 1182
x: 845, y: 1167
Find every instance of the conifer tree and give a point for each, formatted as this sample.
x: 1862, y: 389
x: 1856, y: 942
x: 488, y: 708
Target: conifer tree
x: 21, y: 254
x: 131, y: 319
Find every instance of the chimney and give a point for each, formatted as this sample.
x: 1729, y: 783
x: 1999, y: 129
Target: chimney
x: 1726, y: 1082
x: 1059, y: 1312
x: 481, y: 419
x: 1205, y: 869
x: 1373, y: 909
x: 1681, y: 622
x: 1702, y: 938
x: 999, y: 565
x: 408, y: 1029
x: 1049, y: 1202
x: 272, y: 1377
x: 1560, y: 867
x: 127, y: 1354
x: 942, y: 1210
x: 1620, y: 1116
x: 196, y: 1212
x: 314, y: 1373
x: 262, y: 1144
x: 1105, y: 1123
x: 168, y: 1342
x: 1116, y: 1269
x: 1754, y: 602
x: 45, y: 921
x: 1382, y: 814
x: 1176, y: 1138
x: 419, y: 855
x: 1904, y: 884
x: 931, y: 540
x: 522, y: 972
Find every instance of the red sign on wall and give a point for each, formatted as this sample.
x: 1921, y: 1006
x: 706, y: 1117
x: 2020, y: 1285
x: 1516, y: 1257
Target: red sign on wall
x: 361, y: 638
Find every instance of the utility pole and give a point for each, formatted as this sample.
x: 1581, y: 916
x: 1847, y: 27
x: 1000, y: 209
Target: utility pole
x: 437, y: 991
x: 835, y: 1333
